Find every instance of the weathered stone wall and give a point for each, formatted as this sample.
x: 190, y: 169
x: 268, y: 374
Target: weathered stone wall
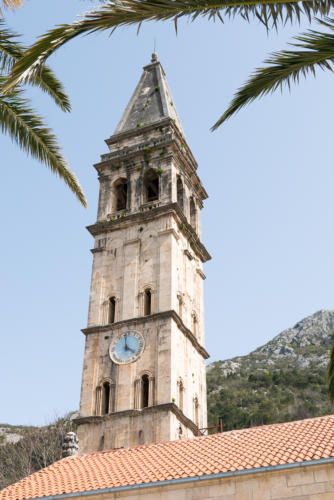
x: 304, y: 483
x: 132, y: 427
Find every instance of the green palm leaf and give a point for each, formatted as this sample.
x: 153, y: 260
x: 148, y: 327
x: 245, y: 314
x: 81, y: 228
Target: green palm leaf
x: 30, y: 133
x: 331, y: 375
x: 133, y: 12
x: 11, y: 51
x: 286, y: 67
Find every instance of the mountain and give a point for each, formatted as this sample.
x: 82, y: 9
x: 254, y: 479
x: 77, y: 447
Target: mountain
x: 286, y: 379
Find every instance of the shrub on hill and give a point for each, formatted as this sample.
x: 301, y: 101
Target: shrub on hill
x: 38, y: 448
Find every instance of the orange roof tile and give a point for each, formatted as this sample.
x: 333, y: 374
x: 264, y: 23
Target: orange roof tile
x: 303, y: 440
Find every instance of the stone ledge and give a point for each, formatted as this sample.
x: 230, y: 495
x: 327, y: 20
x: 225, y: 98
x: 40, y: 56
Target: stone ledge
x: 169, y: 208
x: 98, y: 249
x: 200, y: 272
x: 160, y: 315
x: 137, y: 413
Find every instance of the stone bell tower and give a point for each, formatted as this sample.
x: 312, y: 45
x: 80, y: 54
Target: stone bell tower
x: 144, y: 365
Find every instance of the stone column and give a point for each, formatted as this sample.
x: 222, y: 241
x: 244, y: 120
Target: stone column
x: 98, y: 401
x: 137, y: 393
x: 151, y: 397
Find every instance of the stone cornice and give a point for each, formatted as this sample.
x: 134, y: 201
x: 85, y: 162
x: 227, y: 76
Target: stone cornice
x: 152, y: 317
x: 126, y: 154
x: 140, y: 217
x: 94, y: 419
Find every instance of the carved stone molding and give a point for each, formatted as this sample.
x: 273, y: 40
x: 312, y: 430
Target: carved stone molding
x: 152, y: 317
x: 141, y: 217
x: 136, y: 413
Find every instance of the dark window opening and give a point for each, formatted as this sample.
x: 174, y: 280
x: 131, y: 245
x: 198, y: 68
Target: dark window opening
x: 105, y: 398
x: 141, y: 437
x: 151, y: 186
x: 147, y: 302
x: 144, y: 391
x: 112, y: 309
x: 179, y: 189
x: 121, y: 194
x: 192, y: 213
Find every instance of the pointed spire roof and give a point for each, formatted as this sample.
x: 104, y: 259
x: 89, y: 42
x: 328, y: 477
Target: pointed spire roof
x: 151, y: 100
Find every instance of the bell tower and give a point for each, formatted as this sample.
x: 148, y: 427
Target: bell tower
x: 143, y: 377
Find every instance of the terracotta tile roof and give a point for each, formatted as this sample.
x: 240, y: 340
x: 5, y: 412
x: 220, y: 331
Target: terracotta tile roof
x: 299, y: 441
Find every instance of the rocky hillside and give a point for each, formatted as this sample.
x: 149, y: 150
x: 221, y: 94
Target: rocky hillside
x: 283, y: 380
x: 12, y: 433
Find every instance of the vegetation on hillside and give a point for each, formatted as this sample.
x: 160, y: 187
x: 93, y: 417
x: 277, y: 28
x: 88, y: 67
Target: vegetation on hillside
x: 37, y: 448
x: 283, y: 380
x: 256, y: 397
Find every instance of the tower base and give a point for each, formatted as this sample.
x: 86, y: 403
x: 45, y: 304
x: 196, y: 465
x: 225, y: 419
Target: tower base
x: 164, y: 422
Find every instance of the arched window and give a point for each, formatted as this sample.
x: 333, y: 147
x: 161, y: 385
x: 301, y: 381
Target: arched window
x: 104, y: 403
x: 179, y: 192
x: 106, y: 393
x: 147, y: 302
x: 192, y: 213
x: 180, y: 389
x: 145, y: 389
x: 112, y: 310
x: 120, y: 194
x: 151, y: 186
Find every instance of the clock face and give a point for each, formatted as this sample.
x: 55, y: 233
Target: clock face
x: 126, y: 348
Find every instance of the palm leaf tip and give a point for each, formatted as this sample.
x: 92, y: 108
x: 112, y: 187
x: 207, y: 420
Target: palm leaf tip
x: 11, y: 51
x: 29, y: 132
x: 313, y: 50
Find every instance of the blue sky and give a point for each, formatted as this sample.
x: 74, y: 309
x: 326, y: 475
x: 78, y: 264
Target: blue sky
x: 268, y: 223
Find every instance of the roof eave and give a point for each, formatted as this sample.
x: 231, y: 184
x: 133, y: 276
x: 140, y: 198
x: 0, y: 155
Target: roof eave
x: 184, y: 480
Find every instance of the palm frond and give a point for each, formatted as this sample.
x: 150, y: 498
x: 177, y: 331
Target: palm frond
x: 116, y: 13
x: 29, y: 132
x: 11, y: 50
x: 286, y: 67
x: 331, y: 375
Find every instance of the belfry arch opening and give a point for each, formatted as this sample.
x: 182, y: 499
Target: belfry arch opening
x: 145, y: 389
x: 120, y: 195
x: 147, y: 302
x: 192, y: 213
x: 179, y: 192
x: 112, y: 310
x: 151, y: 186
